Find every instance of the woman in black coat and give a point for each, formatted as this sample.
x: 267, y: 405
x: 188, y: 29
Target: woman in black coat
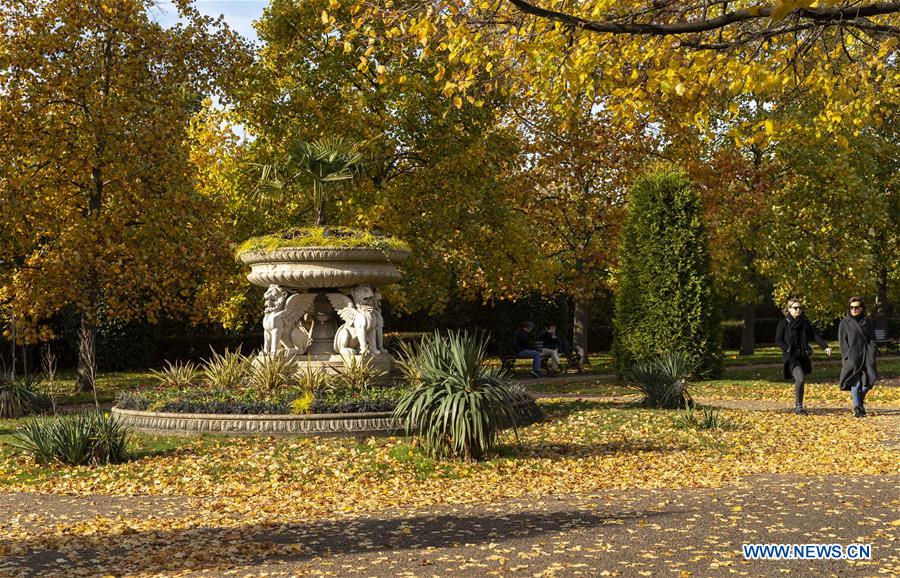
x: 857, y: 339
x: 794, y: 335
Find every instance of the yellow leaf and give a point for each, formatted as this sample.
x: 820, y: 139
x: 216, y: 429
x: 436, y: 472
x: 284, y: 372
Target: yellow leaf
x: 781, y: 9
x: 770, y: 127
x: 324, y: 17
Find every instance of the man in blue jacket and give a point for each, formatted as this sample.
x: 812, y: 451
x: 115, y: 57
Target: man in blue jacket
x: 523, y: 344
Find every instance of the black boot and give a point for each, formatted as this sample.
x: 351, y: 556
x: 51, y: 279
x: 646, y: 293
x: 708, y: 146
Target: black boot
x: 801, y: 411
x: 862, y: 410
x: 858, y: 412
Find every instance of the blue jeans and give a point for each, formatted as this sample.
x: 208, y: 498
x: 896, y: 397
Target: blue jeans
x: 535, y: 358
x: 859, y: 391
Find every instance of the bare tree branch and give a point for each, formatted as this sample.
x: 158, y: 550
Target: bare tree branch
x: 660, y: 23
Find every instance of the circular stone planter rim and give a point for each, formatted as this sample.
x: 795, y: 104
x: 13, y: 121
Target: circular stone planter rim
x: 302, y: 425
x: 255, y: 416
x: 324, y: 253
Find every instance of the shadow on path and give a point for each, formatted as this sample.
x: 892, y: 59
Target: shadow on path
x: 163, y: 551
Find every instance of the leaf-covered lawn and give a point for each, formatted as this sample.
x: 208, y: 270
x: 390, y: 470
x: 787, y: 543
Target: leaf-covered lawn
x: 582, y: 447
x: 743, y: 383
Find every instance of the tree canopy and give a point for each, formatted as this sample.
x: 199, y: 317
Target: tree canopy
x: 96, y: 188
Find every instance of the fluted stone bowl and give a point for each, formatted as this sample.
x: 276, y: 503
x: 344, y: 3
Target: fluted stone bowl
x: 324, y: 267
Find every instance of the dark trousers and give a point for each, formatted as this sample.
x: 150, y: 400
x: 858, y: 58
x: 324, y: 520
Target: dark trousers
x: 799, y: 377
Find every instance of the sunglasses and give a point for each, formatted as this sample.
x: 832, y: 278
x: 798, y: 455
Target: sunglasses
x: 796, y: 307
x: 856, y: 307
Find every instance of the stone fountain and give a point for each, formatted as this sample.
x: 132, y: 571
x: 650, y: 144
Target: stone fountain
x: 322, y: 304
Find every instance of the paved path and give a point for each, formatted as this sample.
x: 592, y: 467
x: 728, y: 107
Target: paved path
x: 688, y: 532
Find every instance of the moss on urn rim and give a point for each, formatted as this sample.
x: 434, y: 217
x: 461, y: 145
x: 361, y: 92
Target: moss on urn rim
x: 337, y: 237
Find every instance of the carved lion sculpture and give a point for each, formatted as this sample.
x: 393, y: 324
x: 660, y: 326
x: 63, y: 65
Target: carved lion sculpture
x: 281, y: 322
x: 361, y: 331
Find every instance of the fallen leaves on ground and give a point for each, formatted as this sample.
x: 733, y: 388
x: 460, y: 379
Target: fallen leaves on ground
x: 827, y: 392
x: 582, y: 447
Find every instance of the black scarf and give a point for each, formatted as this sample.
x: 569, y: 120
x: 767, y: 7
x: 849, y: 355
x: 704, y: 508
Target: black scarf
x: 798, y: 341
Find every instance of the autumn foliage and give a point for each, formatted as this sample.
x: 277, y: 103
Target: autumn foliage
x: 97, y: 199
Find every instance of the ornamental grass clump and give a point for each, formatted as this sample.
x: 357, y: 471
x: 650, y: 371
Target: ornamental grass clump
x: 18, y: 397
x: 226, y: 371
x: 358, y: 376
x: 458, y: 404
x: 177, y: 374
x: 313, y: 380
x: 79, y: 439
x: 662, y: 382
x: 269, y: 373
x: 709, y: 418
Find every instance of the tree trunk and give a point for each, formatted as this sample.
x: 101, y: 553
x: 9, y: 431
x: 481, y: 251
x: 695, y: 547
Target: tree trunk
x: 87, y: 368
x: 565, y: 328
x: 748, y: 331
x: 12, y: 349
x: 320, y: 215
x: 882, y: 309
x: 580, y: 329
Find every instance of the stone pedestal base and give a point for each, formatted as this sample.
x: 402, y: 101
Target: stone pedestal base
x: 334, y: 363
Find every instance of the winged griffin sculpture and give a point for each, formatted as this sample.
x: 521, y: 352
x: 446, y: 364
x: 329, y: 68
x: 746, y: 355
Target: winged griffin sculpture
x: 362, y: 331
x: 282, y: 320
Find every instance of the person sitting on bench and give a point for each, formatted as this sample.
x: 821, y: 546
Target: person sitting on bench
x: 551, y: 345
x: 524, y: 347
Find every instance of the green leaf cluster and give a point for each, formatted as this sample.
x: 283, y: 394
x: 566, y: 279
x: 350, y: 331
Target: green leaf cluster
x: 459, y: 403
x: 662, y: 382
x: 89, y: 438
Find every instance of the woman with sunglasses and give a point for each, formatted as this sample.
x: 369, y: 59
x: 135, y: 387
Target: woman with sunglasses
x: 793, y: 335
x: 857, y: 339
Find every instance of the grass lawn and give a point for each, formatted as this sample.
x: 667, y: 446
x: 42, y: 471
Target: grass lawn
x: 766, y: 354
x: 582, y: 446
x: 109, y: 384
x: 743, y: 383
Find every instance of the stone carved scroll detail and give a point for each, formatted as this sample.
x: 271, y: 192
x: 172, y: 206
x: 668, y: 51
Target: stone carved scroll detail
x: 283, y: 327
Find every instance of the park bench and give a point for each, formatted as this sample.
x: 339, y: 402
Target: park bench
x: 570, y: 361
x: 882, y: 340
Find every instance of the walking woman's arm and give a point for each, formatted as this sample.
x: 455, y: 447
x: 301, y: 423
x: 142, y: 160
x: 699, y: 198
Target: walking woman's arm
x: 779, y: 337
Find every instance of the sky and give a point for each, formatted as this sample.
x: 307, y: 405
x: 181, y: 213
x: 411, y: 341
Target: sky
x: 239, y: 14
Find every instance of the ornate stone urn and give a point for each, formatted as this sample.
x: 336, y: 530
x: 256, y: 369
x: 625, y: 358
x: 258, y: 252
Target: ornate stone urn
x: 322, y: 303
